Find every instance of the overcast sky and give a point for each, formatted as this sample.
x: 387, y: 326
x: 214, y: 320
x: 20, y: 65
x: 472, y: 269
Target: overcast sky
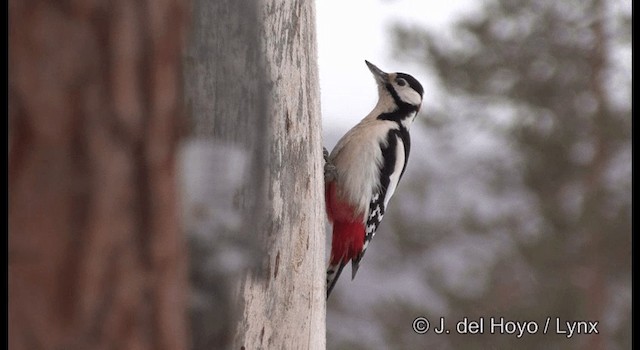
x: 351, y: 31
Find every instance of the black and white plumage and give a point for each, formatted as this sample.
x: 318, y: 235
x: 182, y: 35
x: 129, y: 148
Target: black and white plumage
x: 367, y: 165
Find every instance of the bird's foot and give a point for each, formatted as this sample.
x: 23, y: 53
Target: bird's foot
x: 330, y: 172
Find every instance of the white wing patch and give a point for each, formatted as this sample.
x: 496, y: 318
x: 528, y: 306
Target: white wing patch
x: 395, y: 176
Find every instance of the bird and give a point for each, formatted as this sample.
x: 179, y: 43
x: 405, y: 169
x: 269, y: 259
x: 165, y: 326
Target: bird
x: 363, y: 170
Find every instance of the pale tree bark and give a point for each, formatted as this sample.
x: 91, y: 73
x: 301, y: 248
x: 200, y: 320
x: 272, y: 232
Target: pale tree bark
x: 96, y: 257
x: 287, y: 311
x: 252, y: 86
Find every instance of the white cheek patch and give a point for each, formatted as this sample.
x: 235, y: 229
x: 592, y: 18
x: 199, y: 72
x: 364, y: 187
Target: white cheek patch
x: 410, y: 96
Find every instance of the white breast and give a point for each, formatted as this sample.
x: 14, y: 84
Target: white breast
x: 358, y: 158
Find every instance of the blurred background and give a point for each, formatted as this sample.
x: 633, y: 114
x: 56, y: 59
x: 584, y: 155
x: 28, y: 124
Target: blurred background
x: 517, y: 199
x: 516, y: 203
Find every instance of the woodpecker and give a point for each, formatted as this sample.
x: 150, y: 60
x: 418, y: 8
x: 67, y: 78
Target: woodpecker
x: 363, y: 170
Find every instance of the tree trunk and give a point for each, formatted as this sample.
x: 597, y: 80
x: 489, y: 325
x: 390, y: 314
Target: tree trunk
x: 286, y: 308
x: 96, y: 257
x: 252, y: 87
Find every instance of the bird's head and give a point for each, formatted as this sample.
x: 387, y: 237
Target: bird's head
x: 397, y: 89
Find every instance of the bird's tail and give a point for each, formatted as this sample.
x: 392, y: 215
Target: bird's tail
x: 348, y: 236
x: 333, y: 272
x: 346, y: 244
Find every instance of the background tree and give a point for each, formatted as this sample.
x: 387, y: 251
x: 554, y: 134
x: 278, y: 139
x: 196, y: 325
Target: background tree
x: 519, y: 204
x: 96, y: 257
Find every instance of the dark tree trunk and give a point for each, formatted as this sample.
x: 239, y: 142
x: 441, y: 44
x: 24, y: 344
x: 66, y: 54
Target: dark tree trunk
x: 96, y: 257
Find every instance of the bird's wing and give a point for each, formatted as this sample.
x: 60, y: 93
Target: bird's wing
x: 394, y: 163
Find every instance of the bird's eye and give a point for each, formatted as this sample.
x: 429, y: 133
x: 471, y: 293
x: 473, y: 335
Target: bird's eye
x: 401, y: 82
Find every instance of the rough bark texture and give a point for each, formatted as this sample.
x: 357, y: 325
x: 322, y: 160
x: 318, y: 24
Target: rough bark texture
x: 252, y: 82
x: 96, y: 258
x: 286, y: 308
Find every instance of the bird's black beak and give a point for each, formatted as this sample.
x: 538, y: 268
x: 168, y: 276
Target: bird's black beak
x: 381, y: 77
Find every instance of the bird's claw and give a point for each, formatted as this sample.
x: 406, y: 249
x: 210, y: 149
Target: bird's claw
x: 330, y: 172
